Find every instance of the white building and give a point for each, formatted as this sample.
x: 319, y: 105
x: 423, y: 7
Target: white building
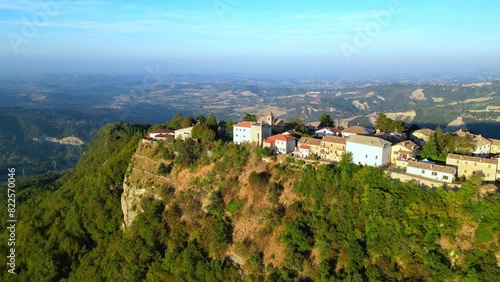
x: 303, y: 151
x: 280, y: 143
x: 183, y: 133
x: 249, y: 132
x: 160, y: 133
x: 431, y: 171
x: 369, y: 150
x: 328, y: 131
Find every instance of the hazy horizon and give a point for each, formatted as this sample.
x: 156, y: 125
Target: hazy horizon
x: 283, y: 38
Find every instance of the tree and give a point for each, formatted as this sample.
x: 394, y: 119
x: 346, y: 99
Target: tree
x: 249, y: 117
x: 175, y: 122
x: 187, y: 122
x: 229, y: 127
x: 204, y: 133
x: 299, y: 125
x: 464, y: 145
x: 430, y: 147
x: 201, y: 119
x: 211, y: 122
x: 383, y: 123
x: 326, y: 121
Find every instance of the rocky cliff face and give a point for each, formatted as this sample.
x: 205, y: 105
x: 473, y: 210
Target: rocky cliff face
x: 142, y: 180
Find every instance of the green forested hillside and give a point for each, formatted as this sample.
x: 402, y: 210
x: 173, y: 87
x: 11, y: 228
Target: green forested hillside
x: 323, y: 223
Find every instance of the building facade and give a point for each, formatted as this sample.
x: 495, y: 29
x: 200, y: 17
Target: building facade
x: 333, y: 147
x: 250, y: 132
x: 315, y: 144
x: 404, y: 151
x: 431, y: 171
x: 470, y: 165
x: 369, y: 150
x: 183, y: 133
x: 280, y: 143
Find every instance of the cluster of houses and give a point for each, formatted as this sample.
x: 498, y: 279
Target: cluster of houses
x: 164, y: 134
x: 366, y: 146
x: 375, y: 149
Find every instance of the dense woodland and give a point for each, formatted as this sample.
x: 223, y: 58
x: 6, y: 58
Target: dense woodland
x: 347, y: 222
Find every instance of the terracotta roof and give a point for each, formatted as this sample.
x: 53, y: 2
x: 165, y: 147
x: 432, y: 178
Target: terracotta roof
x: 334, y: 139
x: 408, y: 145
x: 471, y: 159
x: 369, y: 140
x: 310, y: 141
x: 281, y: 137
x: 433, y: 167
x: 270, y: 114
x: 305, y: 147
x: 356, y: 129
x: 246, y: 124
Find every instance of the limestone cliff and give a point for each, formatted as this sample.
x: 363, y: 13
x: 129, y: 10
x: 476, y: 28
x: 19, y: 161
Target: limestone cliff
x: 142, y: 180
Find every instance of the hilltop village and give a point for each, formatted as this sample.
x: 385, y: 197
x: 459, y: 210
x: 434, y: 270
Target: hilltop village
x: 453, y: 156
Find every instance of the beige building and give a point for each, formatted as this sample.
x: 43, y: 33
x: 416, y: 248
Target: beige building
x: 421, y: 136
x: 404, y: 151
x: 314, y: 144
x: 332, y: 148
x: 495, y: 146
x: 469, y: 165
x: 277, y: 124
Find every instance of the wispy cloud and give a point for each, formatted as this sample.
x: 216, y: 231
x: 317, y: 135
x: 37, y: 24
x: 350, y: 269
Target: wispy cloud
x: 25, y: 6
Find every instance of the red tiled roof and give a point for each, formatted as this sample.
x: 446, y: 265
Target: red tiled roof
x: 246, y: 124
x: 281, y: 137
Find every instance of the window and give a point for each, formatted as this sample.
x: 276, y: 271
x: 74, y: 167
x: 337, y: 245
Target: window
x: 366, y: 156
x: 475, y: 164
x: 489, y: 166
x: 434, y: 173
x: 466, y: 163
x: 465, y: 171
x: 376, y: 157
x: 458, y: 161
x: 488, y: 175
x: 423, y: 171
x: 445, y: 177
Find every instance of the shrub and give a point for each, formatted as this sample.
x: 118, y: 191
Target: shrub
x: 260, y: 179
x: 164, y: 169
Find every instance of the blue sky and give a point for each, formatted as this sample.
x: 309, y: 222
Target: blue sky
x: 250, y: 36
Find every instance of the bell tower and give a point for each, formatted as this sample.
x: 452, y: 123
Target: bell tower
x: 270, y: 118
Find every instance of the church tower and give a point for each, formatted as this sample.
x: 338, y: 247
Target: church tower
x: 270, y: 118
